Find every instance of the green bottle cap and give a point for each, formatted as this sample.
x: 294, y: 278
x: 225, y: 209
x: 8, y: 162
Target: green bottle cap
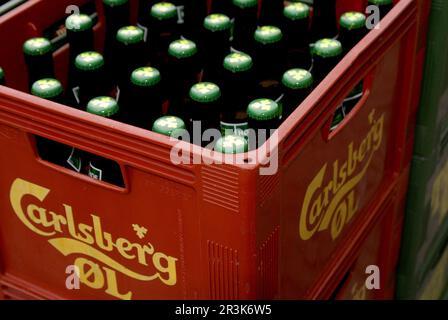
x: 381, y: 2
x: 182, y: 48
x: 164, y: 11
x: 46, y: 88
x: 78, y: 22
x: 268, y: 34
x: 89, y: 61
x: 114, y: 3
x: 263, y: 109
x: 145, y: 77
x: 327, y: 48
x: 103, y: 106
x: 168, y: 125
x: 217, y: 22
x: 353, y: 20
x: 245, y: 3
x: 37, y: 46
x: 238, y: 62
x: 297, y: 11
x: 130, y: 35
x: 205, y: 92
x: 232, y: 144
x: 2, y: 74
x: 297, y: 79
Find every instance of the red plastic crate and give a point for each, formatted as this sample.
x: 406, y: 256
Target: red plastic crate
x: 213, y: 231
x: 381, y: 249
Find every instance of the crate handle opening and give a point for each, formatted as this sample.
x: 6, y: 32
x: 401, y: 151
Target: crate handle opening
x: 98, y: 168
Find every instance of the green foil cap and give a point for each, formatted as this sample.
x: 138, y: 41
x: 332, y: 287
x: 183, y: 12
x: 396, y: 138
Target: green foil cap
x: 328, y: 48
x: 89, y: 61
x: 353, y: 20
x: 296, y: 11
x: 245, y: 3
x: 204, y: 92
x: 182, y: 48
x: 168, y: 125
x: 78, y: 22
x: 114, y: 3
x: 47, y: 88
x: 37, y: 46
x: 217, y: 22
x: 238, y: 62
x: 164, y: 11
x: 145, y: 77
x: 263, y: 109
x: 268, y: 34
x: 297, y: 79
x: 103, y: 106
x: 381, y: 2
x: 130, y: 35
x: 232, y: 144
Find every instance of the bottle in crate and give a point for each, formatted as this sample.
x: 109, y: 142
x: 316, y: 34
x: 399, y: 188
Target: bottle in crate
x: 215, y: 45
x: 38, y: 54
x: 194, y: 15
x: 232, y: 144
x: 384, y: 6
x: 245, y: 24
x: 238, y: 79
x: 297, y: 85
x: 271, y: 12
x: 141, y: 101
x: 130, y: 55
x: 80, y: 39
x: 100, y: 168
x: 169, y: 126
x: 182, y: 74
x: 264, y: 117
x: 205, y: 107
x: 269, y: 61
x: 296, y: 29
x: 324, y: 23
x: 2, y: 77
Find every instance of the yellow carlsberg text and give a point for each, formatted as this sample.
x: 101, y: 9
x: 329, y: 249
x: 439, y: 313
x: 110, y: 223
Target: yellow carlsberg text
x: 70, y: 238
x: 330, y: 200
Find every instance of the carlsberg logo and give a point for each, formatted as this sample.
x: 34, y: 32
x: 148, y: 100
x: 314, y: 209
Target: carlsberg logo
x: 330, y: 200
x: 90, y: 245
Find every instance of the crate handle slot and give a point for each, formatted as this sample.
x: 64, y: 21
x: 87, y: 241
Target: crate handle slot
x: 67, y: 158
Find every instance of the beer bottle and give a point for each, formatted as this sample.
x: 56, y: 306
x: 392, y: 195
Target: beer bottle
x: 163, y: 30
x: 296, y: 22
x: 231, y: 144
x: 141, y: 104
x: 205, y: 107
x: 236, y: 93
x: 39, y: 59
x: 144, y: 8
x: 352, y: 29
x: 90, y: 69
x: 100, y: 168
x: 223, y: 7
x: 169, y: 125
x: 2, y: 77
x: 324, y: 24
x: 117, y: 16
x: 384, y: 6
x: 130, y: 44
x: 80, y: 38
x: 327, y: 54
x: 245, y: 24
x: 182, y: 74
x: 271, y: 12
x: 216, y: 45
x: 194, y: 15
x: 263, y: 114
x: 297, y: 85
x: 269, y: 61
x: 51, y: 151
